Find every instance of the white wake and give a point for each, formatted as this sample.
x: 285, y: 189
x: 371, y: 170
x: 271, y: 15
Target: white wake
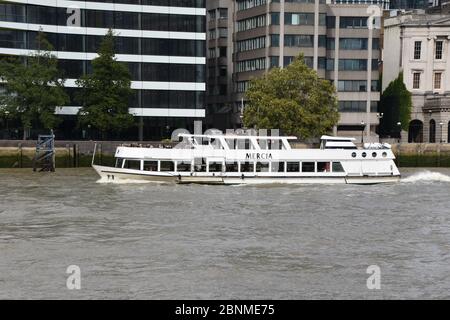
x: 427, y: 176
x: 123, y: 181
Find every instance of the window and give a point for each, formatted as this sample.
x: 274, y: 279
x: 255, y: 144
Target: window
x: 223, y: 52
x: 323, y: 167
x: 262, y: 167
x: 416, y: 80
x: 352, y: 22
x: 437, y: 80
x: 308, y: 167
x: 150, y: 165
x: 274, y: 62
x: 119, y: 162
x: 223, y: 32
x: 212, y: 14
x: 247, y: 167
x: 167, y: 166
x: 184, y: 166
x: 337, y: 167
x: 417, y: 49
x: 274, y: 40
x: 231, y: 167
x: 293, y: 166
x: 247, y: 4
x: 223, y: 13
x: 439, y: 49
x: 215, y: 167
x: 133, y: 164
x: 277, y: 166
x: 251, y: 44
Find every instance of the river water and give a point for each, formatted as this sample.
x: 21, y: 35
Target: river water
x: 150, y: 241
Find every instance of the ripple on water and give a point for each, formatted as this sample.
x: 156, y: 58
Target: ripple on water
x: 172, y: 241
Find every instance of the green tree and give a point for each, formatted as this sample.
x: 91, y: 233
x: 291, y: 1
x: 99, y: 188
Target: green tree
x: 106, y: 91
x: 396, y: 105
x: 34, y: 87
x: 293, y: 100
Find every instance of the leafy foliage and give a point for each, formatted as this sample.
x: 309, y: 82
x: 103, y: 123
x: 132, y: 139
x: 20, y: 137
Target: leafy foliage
x: 293, y: 100
x: 34, y: 87
x: 106, y: 91
x: 396, y: 105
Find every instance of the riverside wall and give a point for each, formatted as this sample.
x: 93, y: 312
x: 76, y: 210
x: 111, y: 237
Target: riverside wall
x: 69, y: 154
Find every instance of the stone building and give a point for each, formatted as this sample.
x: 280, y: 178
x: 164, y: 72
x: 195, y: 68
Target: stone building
x: 418, y: 44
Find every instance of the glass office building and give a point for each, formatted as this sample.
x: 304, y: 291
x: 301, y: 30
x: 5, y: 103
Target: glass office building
x: 162, y: 42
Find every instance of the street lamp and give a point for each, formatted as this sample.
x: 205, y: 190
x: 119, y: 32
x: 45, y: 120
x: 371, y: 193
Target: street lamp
x: 399, y: 125
x: 363, y: 126
x: 441, y: 124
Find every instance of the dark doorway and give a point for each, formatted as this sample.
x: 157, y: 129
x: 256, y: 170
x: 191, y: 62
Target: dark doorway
x: 432, y: 131
x: 415, y: 131
x: 448, y: 132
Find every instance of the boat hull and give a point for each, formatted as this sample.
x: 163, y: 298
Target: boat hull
x: 114, y: 175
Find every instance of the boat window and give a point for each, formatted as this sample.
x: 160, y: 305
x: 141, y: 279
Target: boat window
x: 246, y: 166
x: 277, y: 166
x: 150, y: 165
x: 323, y: 167
x: 308, y: 167
x: 215, y: 167
x: 167, y: 166
x: 354, y: 154
x: 262, y: 167
x: 232, y: 167
x: 133, y: 164
x: 200, y: 164
x: 292, y: 166
x: 384, y: 154
x: 184, y: 166
x: 337, y: 167
x: 374, y: 154
x: 119, y: 162
x: 364, y: 154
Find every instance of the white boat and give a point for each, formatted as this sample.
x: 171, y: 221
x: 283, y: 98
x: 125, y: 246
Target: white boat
x: 240, y: 159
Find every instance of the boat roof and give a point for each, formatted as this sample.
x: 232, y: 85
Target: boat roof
x: 337, y: 138
x: 235, y: 136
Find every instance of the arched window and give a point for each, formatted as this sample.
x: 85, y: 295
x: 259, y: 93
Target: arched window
x: 432, y: 131
x: 415, y: 131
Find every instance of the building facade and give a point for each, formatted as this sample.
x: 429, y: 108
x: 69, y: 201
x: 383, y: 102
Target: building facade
x: 162, y: 42
x: 418, y: 44
x: 339, y: 39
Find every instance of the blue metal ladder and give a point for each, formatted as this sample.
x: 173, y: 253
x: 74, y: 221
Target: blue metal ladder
x: 45, y: 153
